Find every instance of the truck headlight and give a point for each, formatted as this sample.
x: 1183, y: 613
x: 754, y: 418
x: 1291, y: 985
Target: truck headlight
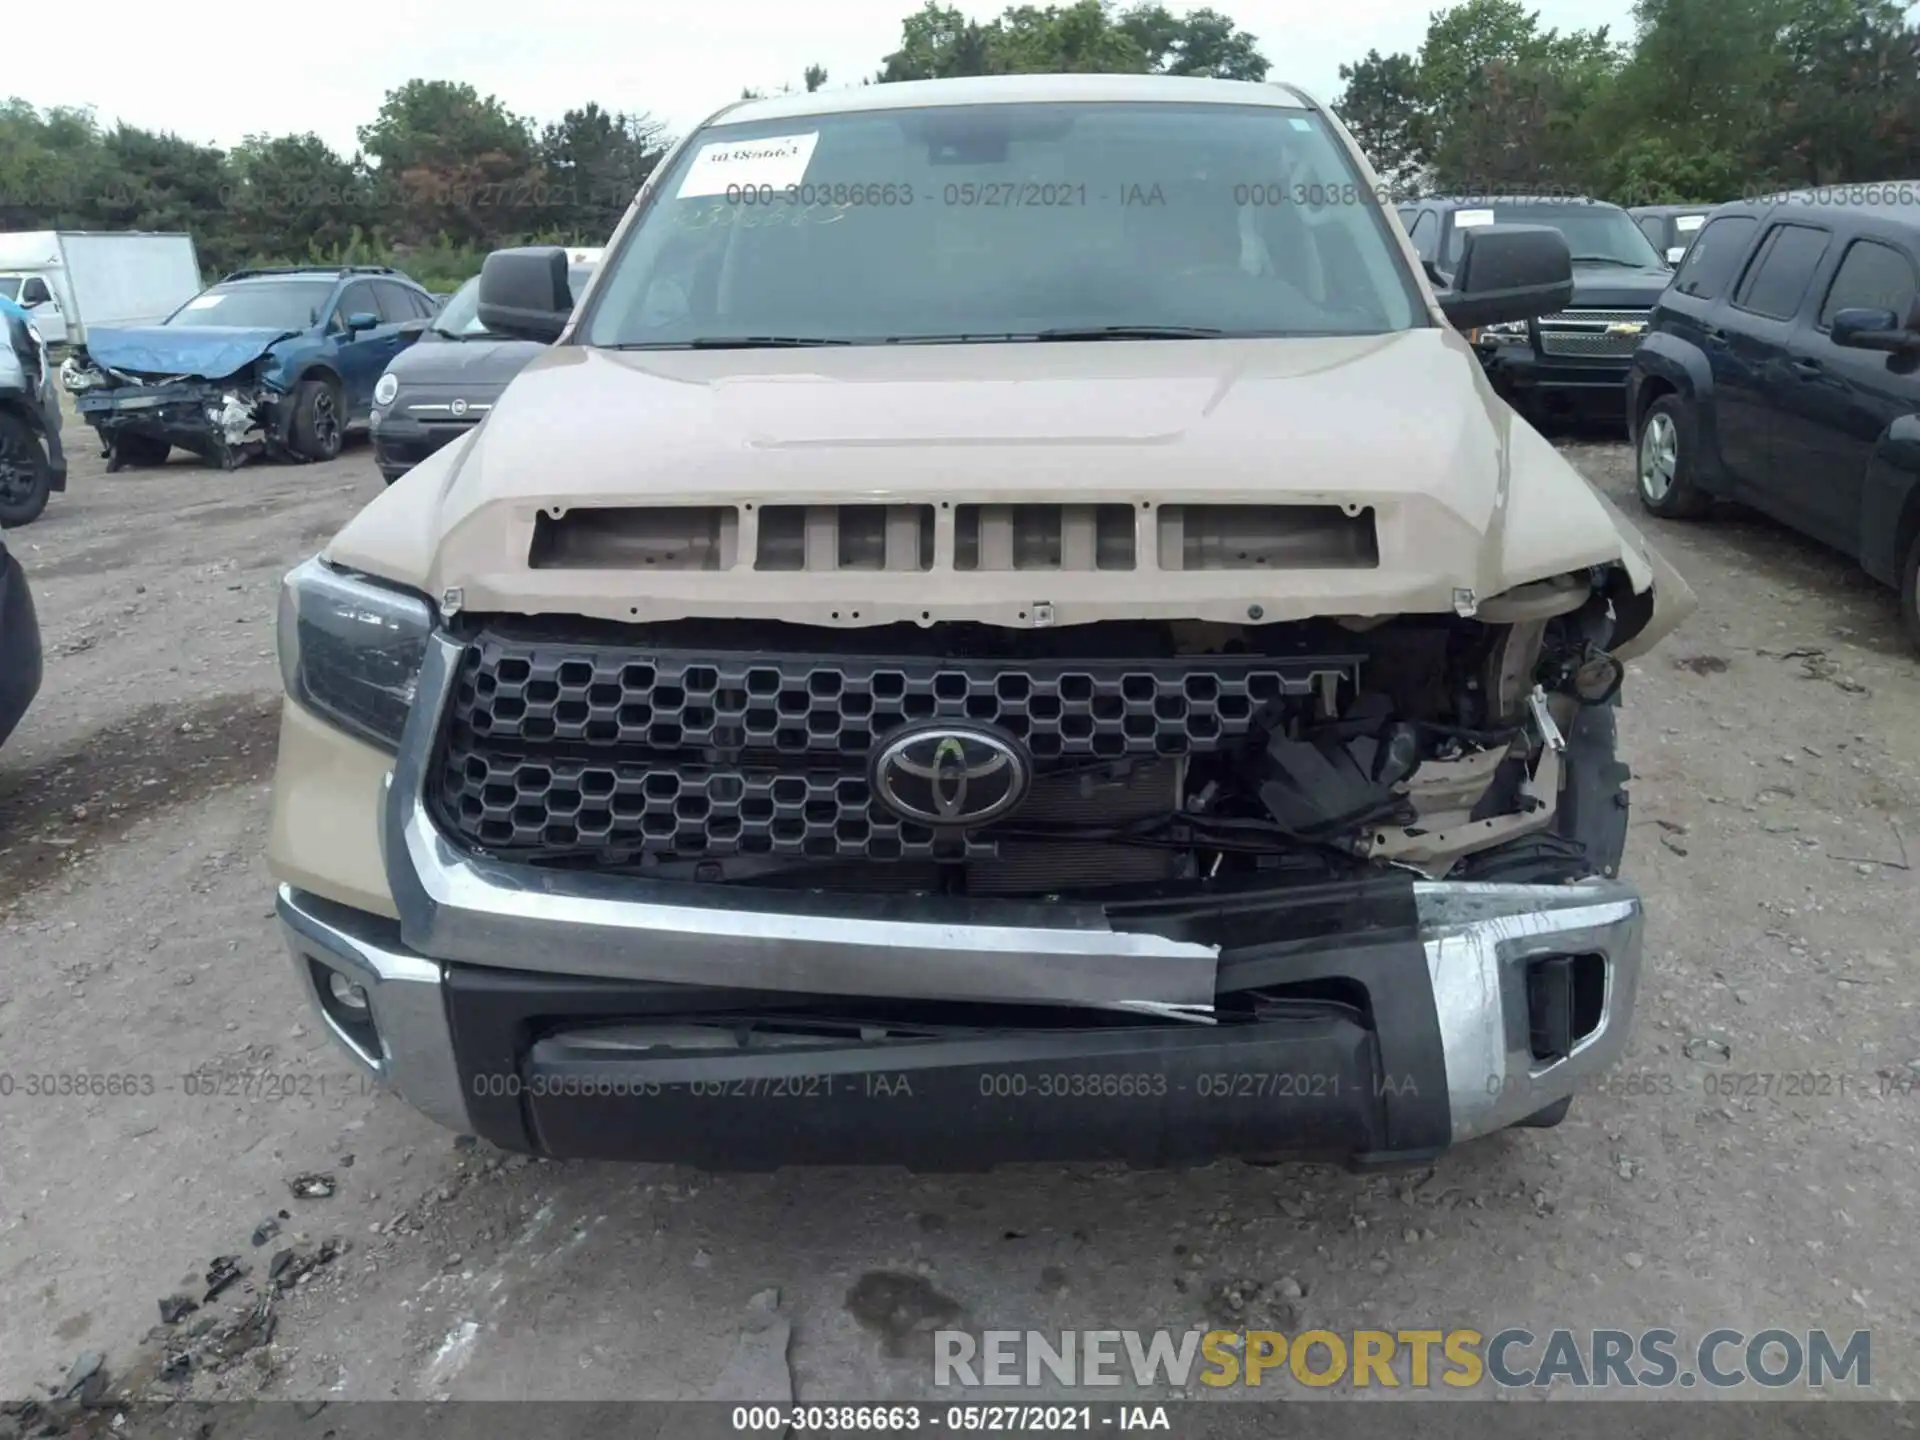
x: 351, y: 649
x: 385, y: 388
x: 1505, y: 330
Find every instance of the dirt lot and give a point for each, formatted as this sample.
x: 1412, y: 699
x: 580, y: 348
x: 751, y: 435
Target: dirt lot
x: 1775, y: 752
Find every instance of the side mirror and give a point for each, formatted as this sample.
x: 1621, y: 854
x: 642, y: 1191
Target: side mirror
x: 1864, y: 329
x: 1508, y: 273
x: 362, y: 320
x: 524, y: 293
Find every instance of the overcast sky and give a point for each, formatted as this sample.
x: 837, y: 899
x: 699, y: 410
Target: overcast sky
x: 227, y: 75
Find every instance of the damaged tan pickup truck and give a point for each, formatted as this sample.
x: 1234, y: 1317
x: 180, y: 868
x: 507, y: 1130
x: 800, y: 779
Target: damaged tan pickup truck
x: 1008, y: 626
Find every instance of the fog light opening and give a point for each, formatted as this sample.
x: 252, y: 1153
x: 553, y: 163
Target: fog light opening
x: 1566, y: 1000
x: 350, y: 994
x: 348, y: 1009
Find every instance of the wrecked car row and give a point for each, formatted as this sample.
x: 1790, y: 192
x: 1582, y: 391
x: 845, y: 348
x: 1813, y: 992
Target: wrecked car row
x: 275, y: 362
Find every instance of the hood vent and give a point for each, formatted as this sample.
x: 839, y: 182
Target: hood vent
x: 846, y: 537
x: 1043, y: 537
x: 636, y: 537
x: 982, y: 538
x: 1268, y: 537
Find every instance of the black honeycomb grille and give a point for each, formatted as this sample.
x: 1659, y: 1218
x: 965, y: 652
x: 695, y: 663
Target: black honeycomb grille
x: 556, y: 745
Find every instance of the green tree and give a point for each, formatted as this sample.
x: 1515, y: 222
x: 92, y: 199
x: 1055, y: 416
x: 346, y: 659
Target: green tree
x: 164, y: 182
x: 1380, y: 103
x: 937, y: 42
x: 1847, y: 98
x: 1088, y: 36
x: 594, y: 163
x: 1507, y: 104
x: 453, y: 165
x: 1202, y: 42
x: 286, y: 187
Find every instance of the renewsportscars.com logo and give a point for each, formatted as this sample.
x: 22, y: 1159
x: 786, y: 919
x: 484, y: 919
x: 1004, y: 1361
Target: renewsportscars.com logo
x: 1512, y: 1358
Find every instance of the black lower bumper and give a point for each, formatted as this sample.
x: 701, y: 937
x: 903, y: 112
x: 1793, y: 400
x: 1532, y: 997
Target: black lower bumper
x: 632, y: 1075
x: 1372, y: 1022
x: 399, y: 445
x: 1522, y: 371
x: 20, y: 656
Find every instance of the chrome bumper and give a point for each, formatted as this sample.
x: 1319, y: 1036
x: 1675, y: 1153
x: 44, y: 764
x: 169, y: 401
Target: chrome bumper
x: 456, y: 909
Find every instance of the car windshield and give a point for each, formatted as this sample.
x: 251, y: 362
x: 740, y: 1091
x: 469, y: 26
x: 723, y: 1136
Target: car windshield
x: 1008, y: 221
x: 459, y: 318
x: 257, y: 305
x: 1596, y: 234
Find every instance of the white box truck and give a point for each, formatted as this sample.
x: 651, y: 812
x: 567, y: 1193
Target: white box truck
x: 68, y: 280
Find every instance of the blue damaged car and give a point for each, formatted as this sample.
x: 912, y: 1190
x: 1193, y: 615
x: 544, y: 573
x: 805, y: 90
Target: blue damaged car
x: 278, y: 362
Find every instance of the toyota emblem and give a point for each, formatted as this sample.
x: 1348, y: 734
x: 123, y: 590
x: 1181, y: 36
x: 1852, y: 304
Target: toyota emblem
x: 459, y: 407
x: 950, y: 776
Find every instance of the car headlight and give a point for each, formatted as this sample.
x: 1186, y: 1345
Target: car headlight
x: 385, y: 389
x: 1505, y: 330
x: 351, y: 649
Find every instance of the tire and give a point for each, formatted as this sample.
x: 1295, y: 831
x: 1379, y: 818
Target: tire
x: 1663, y: 461
x: 319, y: 423
x: 143, y: 451
x: 1910, y: 591
x: 26, y: 479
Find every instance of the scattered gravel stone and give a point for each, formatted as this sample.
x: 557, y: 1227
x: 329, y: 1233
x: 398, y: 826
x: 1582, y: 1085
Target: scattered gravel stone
x: 314, y: 1185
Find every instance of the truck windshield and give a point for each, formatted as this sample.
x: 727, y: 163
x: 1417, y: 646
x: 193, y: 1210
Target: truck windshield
x: 460, y: 316
x: 9, y: 287
x: 1008, y: 221
x: 1596, y: 234
x: 257, y: 305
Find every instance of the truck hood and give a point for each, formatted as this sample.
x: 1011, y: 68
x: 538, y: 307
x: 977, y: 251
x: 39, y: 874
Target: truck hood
x: 1400, y: 433
x: 180, y: 349
x: 1613, y: 287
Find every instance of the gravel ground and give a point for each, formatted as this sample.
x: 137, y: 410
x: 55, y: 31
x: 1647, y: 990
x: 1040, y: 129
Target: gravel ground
x: 1775, y: 756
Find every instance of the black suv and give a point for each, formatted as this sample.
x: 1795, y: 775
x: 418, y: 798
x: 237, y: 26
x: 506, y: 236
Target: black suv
x: 1782, y: 369
x: 1577, y: 359
x: 1671, y: 228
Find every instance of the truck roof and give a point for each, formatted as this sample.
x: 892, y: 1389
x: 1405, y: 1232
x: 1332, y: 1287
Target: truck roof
x: 1015, y: 90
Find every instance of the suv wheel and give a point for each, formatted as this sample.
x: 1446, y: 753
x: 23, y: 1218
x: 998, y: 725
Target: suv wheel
x: 1663, y: 461
x: 319, y: 428
x: 25, y: 477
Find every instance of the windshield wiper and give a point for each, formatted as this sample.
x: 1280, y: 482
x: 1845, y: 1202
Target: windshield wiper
x: 1606, y: 260
x: 1131, y: 332
x: 736, y: 342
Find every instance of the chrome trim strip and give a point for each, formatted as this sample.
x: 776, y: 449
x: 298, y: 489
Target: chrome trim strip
x: 458, y: 907
x: 1478, y: 940
x: 416, y: 1057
